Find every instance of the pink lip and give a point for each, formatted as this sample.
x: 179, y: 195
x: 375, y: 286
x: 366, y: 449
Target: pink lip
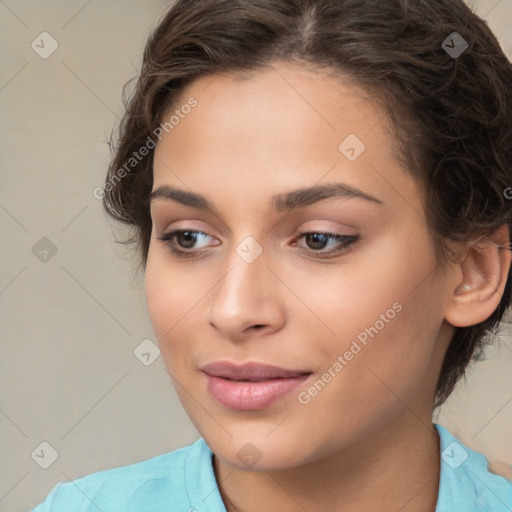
x: 250, y: 386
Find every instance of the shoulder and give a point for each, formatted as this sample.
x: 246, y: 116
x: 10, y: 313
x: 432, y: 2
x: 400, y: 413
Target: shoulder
x: 466, y: 482
x: 159, y: 483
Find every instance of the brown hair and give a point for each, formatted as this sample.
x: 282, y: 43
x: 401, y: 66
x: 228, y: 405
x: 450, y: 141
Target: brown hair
x: 451, y: 114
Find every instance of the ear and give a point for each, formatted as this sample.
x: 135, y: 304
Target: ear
x: 484, y: 272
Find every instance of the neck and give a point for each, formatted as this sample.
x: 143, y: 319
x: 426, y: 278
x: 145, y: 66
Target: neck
x: 396, y: 469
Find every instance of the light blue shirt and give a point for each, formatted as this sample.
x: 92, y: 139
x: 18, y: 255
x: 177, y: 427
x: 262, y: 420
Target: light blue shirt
x: 184, y: 481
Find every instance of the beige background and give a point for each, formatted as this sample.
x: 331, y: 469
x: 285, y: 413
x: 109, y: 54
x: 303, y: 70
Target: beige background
x: 69, y: 326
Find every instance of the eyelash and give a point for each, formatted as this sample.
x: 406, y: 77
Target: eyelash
x: 345, y: 242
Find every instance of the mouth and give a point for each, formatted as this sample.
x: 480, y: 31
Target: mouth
x: 250, y: 386
x: 250, y: 371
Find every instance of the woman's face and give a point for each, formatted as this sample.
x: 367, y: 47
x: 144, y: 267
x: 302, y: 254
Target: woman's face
x: 355, y: 316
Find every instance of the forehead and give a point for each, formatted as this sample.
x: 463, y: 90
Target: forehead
x: 279, y: 127
x: 281, y: 100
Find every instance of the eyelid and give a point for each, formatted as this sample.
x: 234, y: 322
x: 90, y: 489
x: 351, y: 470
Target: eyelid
x: 328, y: 226
x: 187, y: 224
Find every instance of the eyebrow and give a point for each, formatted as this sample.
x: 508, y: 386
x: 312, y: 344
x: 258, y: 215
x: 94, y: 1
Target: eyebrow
x: 279, y: 202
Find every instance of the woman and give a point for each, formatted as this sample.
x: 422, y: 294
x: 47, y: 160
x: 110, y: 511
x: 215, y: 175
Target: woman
x: 318, y: 192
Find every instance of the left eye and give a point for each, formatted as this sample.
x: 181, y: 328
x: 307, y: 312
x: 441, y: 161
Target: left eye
x: 318, y: 241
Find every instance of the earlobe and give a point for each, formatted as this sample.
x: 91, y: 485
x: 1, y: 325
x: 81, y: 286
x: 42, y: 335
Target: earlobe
x: 485, y: 270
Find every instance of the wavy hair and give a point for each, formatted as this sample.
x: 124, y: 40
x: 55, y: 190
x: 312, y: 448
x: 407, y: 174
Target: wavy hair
x: 450, y: 115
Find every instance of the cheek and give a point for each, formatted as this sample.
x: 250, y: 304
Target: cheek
x: 373, y: 296
x: 385, y: 309
x: 169, y: 297
x: 178, y: 298
x: 385, y: 369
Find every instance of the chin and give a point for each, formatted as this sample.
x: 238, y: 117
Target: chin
x: 259, y: 452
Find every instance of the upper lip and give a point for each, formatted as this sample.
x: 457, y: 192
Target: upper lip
x: 249, y: 371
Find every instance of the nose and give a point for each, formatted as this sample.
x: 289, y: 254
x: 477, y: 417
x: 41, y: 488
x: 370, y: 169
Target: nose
x: 246, y: 301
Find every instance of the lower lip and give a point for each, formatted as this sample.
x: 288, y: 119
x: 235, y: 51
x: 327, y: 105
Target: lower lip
x: 251, y: 395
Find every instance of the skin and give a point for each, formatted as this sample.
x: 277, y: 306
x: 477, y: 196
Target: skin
x: 367, y: 439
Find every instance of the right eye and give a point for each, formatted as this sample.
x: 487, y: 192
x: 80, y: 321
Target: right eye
x: 180, y: 239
